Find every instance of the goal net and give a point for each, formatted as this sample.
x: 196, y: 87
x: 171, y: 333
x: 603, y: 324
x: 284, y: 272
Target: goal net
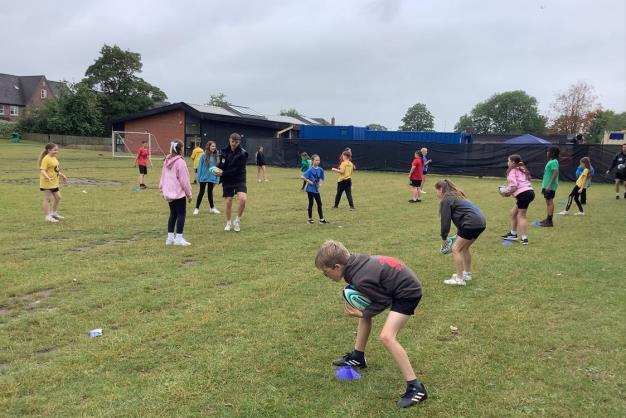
x: 126, y: 144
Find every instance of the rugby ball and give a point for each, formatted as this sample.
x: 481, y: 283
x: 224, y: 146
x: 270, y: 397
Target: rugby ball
x: 620, y: 167
x: 448, y: 248
x: 214, y: 170
x: 355, y: 298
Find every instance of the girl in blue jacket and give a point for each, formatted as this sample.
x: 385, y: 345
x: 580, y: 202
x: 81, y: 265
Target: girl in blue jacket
x: 206, y: 176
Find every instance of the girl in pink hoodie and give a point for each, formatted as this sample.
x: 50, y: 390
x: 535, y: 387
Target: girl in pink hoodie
x: 518, y: 186
x: 175, y: 187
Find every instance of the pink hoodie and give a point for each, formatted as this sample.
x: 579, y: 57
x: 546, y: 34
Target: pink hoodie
x: 517, y: 182
x: 174, y: 182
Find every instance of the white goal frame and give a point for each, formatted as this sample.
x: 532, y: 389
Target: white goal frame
x: 119, y: 148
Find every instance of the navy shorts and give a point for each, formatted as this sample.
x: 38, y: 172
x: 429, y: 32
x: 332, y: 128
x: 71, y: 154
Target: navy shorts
x: 620, y: 176
x: 405, y: 306
x: 143, y: 169
x: 469, y: 233
x: 548, y: 195
x: 416, y: 183
x: 524, y: 199
x: 56, y: 189
x: 232, y: 190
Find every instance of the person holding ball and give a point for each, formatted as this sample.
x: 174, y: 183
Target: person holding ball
x: 401, y: 291
x: 233, y: 178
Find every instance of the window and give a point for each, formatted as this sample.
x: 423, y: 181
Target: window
x: 1, y: 109
x: 14, y: 111
x: 44, y: 93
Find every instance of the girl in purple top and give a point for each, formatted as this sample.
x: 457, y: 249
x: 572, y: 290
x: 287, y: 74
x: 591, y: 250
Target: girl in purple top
x: 518, y: 179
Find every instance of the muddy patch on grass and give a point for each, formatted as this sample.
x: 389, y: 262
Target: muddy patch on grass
x: 190, y: 262
x: 47, y: 350
x: 78, y: 181
x: 100, y: 243
x: 5, y: 311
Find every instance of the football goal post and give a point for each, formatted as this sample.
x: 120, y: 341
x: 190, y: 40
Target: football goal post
x: 126, y: 144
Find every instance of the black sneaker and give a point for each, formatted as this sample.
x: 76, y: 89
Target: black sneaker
x: 348, y: 360
x: 617, y: 197
x: 412, y: 201
x: 524, y: 241
x: 545, y: 224
x: 310, y: 221
x: 510, y: 237
x: 412, y: 396
x: 323, y: 221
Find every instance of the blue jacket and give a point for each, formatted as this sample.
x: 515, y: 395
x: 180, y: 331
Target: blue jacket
x: 315, y: 174
x: 204, y: 175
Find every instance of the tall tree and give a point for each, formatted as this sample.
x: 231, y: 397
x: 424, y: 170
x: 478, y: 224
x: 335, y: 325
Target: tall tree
x: 114, y: 76
x: 605, y: 120
x: 512, y: 112
x: 290, y: 112
x: 219, y: 100
x: 574, y: 109
x: 465, y: 123
x: 417, y: 118
x: 376, y: 127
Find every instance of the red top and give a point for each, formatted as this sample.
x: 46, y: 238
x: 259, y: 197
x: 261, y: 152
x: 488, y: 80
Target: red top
x: 417, y: 171
x: 142, y: 156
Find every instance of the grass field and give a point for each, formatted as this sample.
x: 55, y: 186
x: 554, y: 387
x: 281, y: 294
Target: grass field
x: 241, y: 324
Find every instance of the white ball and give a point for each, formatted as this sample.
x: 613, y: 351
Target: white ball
x: 620, y: 167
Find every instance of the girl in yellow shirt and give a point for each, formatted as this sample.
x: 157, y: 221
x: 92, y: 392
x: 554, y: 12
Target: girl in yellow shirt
x: 49, y: 174
x: 581, y: 185
x: 344, y: 183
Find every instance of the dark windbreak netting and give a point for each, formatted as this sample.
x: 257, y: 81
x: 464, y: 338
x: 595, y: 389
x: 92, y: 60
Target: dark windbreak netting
x: 448, y: 159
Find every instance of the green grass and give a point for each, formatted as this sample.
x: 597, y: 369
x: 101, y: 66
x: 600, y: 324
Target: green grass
x: 243, y: 324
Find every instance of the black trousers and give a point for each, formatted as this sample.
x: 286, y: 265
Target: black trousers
x: 574, y: 196
x: 318, y: 201
x: 344, y: 186
x: 209, y: 186
x: 178, y: 212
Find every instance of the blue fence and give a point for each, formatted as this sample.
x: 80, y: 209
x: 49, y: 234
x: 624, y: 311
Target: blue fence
x: 334, y: 133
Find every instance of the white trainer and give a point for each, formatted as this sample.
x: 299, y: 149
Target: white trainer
x: 563, y: 213
x: 467, y: 276
x: 227, y: 227
x: 215, y: 211
x: 196, y: 211
x: 181, y: 241
x: 579, y: 214
x: 169, y: 242
x: 51, y: 219
x: 57, y: 216
x: 455, y: 281
x: 236, y: 226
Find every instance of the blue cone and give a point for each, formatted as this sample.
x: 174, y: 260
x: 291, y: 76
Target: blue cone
x: 347, y: 373
x: 536, y: 223
x: 507, y: 242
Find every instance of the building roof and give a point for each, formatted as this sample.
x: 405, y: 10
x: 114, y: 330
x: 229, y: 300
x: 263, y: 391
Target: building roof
x: 17, y: 90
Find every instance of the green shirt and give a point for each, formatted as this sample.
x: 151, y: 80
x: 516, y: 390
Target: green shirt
x: 551, y: 168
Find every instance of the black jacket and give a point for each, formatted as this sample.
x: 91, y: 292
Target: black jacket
x: 233, y: 164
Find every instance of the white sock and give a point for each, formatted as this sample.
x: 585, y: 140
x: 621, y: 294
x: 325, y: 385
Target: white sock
x: 228, y: 222
x: 467, y: 273
x: 513, y: 232
x: 237, y: 220
x: 170, y: 236
x: 179, y: 237
x: 524, y: 237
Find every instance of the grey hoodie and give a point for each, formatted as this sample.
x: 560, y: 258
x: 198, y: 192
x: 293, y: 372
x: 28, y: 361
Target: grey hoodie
x: 463, y: 213
x: 382, y: 279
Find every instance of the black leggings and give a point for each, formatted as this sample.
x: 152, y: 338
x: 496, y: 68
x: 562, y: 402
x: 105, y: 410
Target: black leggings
x: 344, y: 186
x: 209, y: 187
x: 178, y: 212
x: 574, y: 196
x: 318, y: 201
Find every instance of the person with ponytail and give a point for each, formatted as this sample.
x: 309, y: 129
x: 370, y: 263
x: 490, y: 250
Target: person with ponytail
x: 49, y: 173
x: 175, y: 187
x: 581, y: 184
x: 207, y: 166
x: 470, y: 223
x: 518, y: 186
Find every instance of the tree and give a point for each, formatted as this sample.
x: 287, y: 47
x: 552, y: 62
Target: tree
x: 605, y: 120
x: 417, y: 118
x: 465, y: 123
x: 376, y: 127
x: 574, y: 109
x: 218, y: 100
x: 120, y: 90
x: 512, y: 112
x: 290, y: 112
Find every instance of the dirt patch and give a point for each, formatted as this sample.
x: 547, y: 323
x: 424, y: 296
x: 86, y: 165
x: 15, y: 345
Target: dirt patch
x: 78, y: 181
x: 85, y: 248
x: 190, y: 262
x: 5, y: 311
x: 47, y: 350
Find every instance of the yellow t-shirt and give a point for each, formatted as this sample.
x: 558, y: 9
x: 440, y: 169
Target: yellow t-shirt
x: 583, y: 179
x: 51, y: 165
x: 347, y: 167
x: 195, y: 156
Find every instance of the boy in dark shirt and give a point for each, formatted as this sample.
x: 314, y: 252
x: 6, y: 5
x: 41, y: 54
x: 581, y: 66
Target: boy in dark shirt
x: 386, y: 281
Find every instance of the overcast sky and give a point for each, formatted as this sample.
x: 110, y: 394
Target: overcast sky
x: 362, y: 61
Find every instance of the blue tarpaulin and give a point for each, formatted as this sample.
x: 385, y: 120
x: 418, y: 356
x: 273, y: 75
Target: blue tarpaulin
x: 526, y: 139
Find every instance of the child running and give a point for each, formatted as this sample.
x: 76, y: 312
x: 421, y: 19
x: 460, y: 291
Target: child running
x: 207, y: 166
x: 344, y: 183
x: 579, y: 187
x: 305, y: 164
x: 387, y: 282
x: 470, y: 223
x: 592, y: 172
x: 314, y: 177
x: 549, y: 184
x: 195, y: 157
x: 519, y: 187
x: 416, y: 175
x: 49, y: 173
x: 174, y: 187
x: 260, y: 165
x: 143, y: 156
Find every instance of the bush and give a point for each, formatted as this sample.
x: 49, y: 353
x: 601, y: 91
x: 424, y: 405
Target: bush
x: 6, y: 128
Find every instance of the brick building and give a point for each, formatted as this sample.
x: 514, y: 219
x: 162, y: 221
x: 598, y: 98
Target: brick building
x: 17, y: 92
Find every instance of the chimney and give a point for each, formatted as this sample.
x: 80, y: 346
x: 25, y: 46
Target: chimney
x: 332, y: 120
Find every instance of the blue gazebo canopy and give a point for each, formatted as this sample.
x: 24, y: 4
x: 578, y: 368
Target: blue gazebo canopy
x: 526, y: 139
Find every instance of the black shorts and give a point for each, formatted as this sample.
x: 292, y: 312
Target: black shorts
x: 416, y: 183
x: 524, y: 199
x: 548, y: 195
x: 231, y: 190
x: 56, y: 189
x: 405, y: 306
x: 469, y: 233
x: 620, y: 176
x: 143, y: 169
